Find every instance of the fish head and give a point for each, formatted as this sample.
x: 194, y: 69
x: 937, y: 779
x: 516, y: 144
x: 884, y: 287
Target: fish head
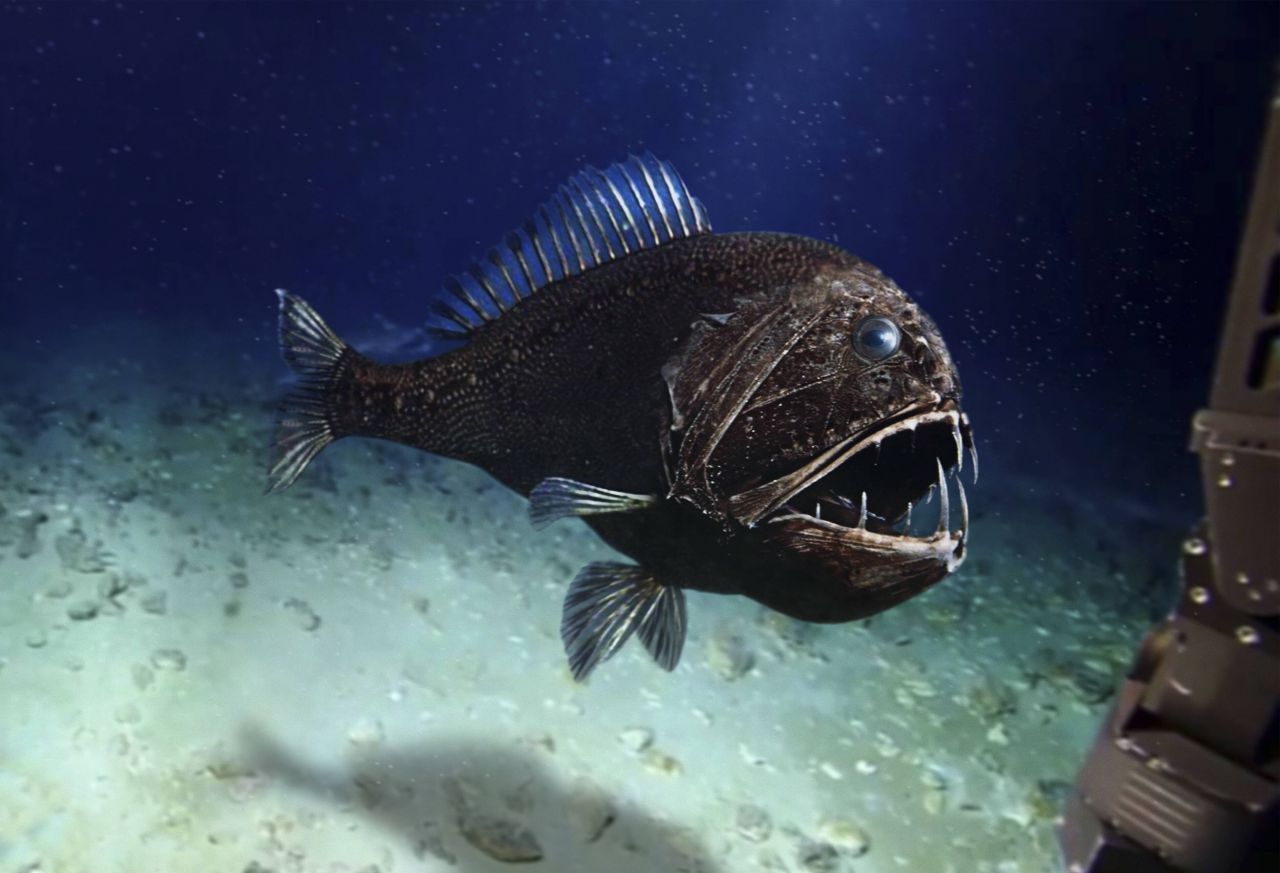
x: 811, y: 421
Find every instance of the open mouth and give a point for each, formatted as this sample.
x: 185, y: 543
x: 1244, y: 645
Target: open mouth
x: 893, y: 483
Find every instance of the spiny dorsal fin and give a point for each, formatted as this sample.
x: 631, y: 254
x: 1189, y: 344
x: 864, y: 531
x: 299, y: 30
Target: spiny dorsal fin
x: 595, y: 217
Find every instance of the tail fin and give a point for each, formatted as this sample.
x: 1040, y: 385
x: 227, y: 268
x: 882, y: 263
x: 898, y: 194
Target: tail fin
x: 306, y: 423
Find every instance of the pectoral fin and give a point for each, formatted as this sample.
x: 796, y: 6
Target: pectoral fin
x: 555, y: 498
x: 608, y: 602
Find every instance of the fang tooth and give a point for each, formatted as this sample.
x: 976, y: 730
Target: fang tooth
x: 909, y: 516
x: 862, y: 514
x: 955, y: 433
x: 964, y: 509
x: 973, y: 456
x: 944, y: 510
x: 817, y: 510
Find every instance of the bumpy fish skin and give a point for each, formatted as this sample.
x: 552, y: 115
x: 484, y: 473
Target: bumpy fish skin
x: 678, y: 396
x: 569, y: 382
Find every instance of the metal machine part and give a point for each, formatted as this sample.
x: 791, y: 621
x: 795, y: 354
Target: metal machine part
x: 1185, y: 772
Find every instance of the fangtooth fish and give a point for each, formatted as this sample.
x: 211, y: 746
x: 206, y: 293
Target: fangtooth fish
x: 741, y: 413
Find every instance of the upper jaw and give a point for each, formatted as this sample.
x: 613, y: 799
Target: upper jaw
x: 830, y: 492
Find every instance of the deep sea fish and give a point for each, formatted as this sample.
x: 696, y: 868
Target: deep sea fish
x: 740, y: 413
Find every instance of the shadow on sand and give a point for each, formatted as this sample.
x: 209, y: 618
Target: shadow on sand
x: 479, y: 807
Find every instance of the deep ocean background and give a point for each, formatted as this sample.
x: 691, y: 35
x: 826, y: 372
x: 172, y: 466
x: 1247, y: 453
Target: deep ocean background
x: 350, y: 675
x: 1061, y: 185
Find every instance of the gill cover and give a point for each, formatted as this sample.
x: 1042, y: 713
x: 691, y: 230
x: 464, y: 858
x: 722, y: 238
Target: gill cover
x: 715, y: 377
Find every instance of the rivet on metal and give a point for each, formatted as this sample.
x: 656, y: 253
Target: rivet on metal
x: 1247, y: 635
x: 1199, y: 594
x: 1194, y: 546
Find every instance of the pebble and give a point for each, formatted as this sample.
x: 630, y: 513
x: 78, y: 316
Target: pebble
x: 990, y: 701
x: 431, y: 844
x: 169, y: 659
x: 818, y: 857
x: 156, y: 603
x: 142, y: 676
x: 1045, y: 800
x: 934, y: 802
x: 305, y: 616
x: 831, y: 771
x: 845, y: 835
x: 239, y: 580
x: 636, y: 740
x: 59, y: 588
x: 750, y: 757
x: 728, y: 655
x: 77, y: 553
x: 932, y: 779
x: 501, y: 839
x: 29, y: 522
x: 920, y: 688
x: 37, y: 639
x: 543, y: 742
x: 113, y: 586
x: 82, y: 610
x: 887, y: 747
x: 998, y: 734
x: 590, y: 810
x: 753, y: 823
x: 661, y: 762
x: 866, y: 768
x: 366, y: 732
x: 794, y: 633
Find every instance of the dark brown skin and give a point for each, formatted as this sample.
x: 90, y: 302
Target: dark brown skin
x: 571, y: 384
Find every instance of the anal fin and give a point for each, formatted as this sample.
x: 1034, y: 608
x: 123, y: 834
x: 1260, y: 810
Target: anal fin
x: 608, y: 602
x: 555, y: 498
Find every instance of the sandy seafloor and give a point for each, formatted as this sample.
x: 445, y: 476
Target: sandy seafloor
x: 365, y: 674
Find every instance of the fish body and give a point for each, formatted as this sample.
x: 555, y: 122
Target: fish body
x: 708, y: 403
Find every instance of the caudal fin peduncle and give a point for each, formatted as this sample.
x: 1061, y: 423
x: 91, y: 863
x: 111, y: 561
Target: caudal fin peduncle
x: 306, y: 422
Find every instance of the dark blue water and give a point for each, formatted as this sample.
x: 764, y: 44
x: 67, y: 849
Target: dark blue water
x: 1061, y: 185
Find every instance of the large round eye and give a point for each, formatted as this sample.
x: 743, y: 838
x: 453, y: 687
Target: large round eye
x: 876, y: 338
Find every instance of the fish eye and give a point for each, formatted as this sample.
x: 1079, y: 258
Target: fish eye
x: 876, y: 338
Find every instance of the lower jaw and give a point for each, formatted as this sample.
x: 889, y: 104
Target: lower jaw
x: 844, y: 575
x: 940, y: 543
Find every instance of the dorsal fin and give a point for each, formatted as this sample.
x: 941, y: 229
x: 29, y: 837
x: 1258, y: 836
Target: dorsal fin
x: 595, y: 217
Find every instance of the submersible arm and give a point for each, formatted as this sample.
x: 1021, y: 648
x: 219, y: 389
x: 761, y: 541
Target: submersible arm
x: 1184, y: 774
